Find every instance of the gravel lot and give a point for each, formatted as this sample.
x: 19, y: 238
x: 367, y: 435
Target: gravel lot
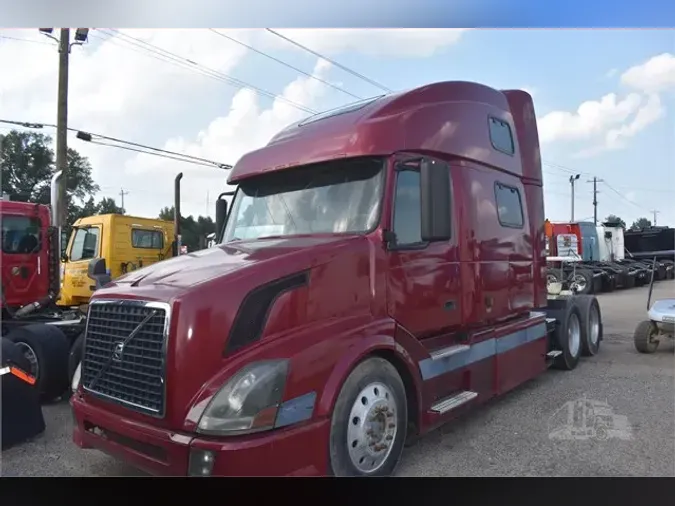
x: 507, y: 437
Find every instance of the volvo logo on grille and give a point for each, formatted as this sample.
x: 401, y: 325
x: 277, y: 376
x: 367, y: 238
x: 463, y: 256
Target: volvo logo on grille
x: 118, y: 351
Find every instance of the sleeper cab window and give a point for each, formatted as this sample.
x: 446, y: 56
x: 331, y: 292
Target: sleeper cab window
x: 501, y: 136
x: 509, y: 206
x: 407, y: 208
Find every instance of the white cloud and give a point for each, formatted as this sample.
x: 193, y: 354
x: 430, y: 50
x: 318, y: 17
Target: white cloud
x: 654, y: 76
x: 246, y: 127
x: 591, y: 118
x: 123, y: 88
x: 397, y: 42
x: 609, y: 122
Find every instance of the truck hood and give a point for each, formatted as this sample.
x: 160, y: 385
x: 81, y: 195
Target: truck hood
x: 188, y: 270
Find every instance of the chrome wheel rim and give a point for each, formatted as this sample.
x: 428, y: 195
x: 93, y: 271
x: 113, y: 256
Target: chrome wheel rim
x: 372, y: 428
x: 579, y: 282
x: 31, y: 356
x: 594, y: 323
x: 574, y: 335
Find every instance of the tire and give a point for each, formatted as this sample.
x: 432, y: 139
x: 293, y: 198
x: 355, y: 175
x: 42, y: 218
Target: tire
x: 591, y: 324
x: 570, y: 324
x: 376, y: 381
x: 11, y: 355
x: 642, y: 337
x: 48, y: 349
x: 587, y: 277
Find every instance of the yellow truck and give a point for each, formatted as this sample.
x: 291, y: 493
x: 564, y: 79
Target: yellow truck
x: 125, y: 242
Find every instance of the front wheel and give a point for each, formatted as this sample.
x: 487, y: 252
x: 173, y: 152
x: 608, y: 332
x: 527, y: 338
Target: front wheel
x: 368, y: 427
x: 645, y: 337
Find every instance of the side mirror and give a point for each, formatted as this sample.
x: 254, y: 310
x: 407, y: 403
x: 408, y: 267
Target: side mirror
x: 221, y: 215
x: 64, y: 257
x: 435, y: 199
x: 96, y: 268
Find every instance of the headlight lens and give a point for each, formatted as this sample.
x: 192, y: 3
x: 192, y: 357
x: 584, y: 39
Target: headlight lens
x: 248, y: 402
x: 76, y: 377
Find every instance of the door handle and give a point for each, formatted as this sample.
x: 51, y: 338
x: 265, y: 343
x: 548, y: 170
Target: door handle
x: 449, y: 305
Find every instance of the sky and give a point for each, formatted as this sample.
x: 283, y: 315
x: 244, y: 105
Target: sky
x: 604, y: 99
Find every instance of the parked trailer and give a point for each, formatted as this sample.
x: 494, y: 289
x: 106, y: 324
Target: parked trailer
x: 592, y: 258
x: 43, y: 313
x: 380, y: 272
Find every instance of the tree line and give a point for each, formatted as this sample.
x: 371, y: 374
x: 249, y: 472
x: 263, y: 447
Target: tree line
x: 638, y: 224
x: 27, y: 163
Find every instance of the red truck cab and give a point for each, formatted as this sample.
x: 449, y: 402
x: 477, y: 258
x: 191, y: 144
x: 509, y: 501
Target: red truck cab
x: 382, y: 269
x: 25, y: 256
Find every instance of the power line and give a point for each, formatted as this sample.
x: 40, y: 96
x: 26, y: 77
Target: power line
x: 26, y: 40
x: 333, y: 62
x: 300, y: 71
x: 130, y: 146
x: 183, y: 62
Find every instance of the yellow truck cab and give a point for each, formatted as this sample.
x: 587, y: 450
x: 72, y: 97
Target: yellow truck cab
x: 126, y: 242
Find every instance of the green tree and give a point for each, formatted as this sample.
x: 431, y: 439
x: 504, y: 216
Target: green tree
x: 613, y: 219
x: 641, y: 223
x: 193, y: 232
x: 27, y: 163
x: 108, y: 206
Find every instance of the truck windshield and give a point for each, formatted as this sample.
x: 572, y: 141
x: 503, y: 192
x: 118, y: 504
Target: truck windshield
x: 340, y: 197
x: 20, y: 234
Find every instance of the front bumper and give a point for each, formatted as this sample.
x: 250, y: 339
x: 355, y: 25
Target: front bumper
x: 294, y: 451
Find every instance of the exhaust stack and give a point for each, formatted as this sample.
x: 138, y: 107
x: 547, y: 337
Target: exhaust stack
x: 176, y: 214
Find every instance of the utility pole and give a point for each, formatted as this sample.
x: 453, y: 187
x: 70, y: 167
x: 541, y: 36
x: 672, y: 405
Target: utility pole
x: 595, y: 182
x: 62, y: 119
x: 64, y: 46
x: 655, y: 212
x: 122, y: 194
x: 572, y: 180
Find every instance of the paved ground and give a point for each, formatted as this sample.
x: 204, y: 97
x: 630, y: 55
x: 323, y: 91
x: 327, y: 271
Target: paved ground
x: 508, y: 437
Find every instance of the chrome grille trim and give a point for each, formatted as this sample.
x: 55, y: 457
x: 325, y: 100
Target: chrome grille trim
x: 127, y: 383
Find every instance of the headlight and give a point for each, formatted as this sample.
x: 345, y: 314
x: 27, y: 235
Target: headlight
x: 76, y: 377
x: 248, y: 402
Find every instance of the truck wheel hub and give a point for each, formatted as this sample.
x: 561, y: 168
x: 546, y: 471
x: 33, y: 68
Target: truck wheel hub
x: 31, y: 356
x: 372, y: 427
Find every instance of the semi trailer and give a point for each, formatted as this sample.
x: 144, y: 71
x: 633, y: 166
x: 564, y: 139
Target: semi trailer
x: 380, y: 272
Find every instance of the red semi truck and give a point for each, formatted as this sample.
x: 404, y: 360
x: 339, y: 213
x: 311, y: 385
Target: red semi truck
x: 382, y: 269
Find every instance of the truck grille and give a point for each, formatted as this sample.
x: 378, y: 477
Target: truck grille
x: 125, y: 355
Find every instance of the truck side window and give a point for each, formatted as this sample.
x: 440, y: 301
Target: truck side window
x: 407, y: 208
x: 501, y: 136
x: 147, y: 239
x: 85, y: 244
x: 509, y: 206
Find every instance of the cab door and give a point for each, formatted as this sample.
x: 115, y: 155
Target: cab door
x: 85, y: 245
x: 25, y: 277
x: 423, y: 281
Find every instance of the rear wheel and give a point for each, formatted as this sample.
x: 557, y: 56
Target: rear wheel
x: 569, y: 338
x: 45, y: 348
x: 582, y: 280
x: 368, y: 427
x: 591, y: 324
x: 645, y: 337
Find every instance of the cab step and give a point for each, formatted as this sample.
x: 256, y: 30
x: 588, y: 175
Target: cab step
x: 455, y: 401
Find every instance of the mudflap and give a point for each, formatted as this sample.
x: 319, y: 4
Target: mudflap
x: 22, y: 416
